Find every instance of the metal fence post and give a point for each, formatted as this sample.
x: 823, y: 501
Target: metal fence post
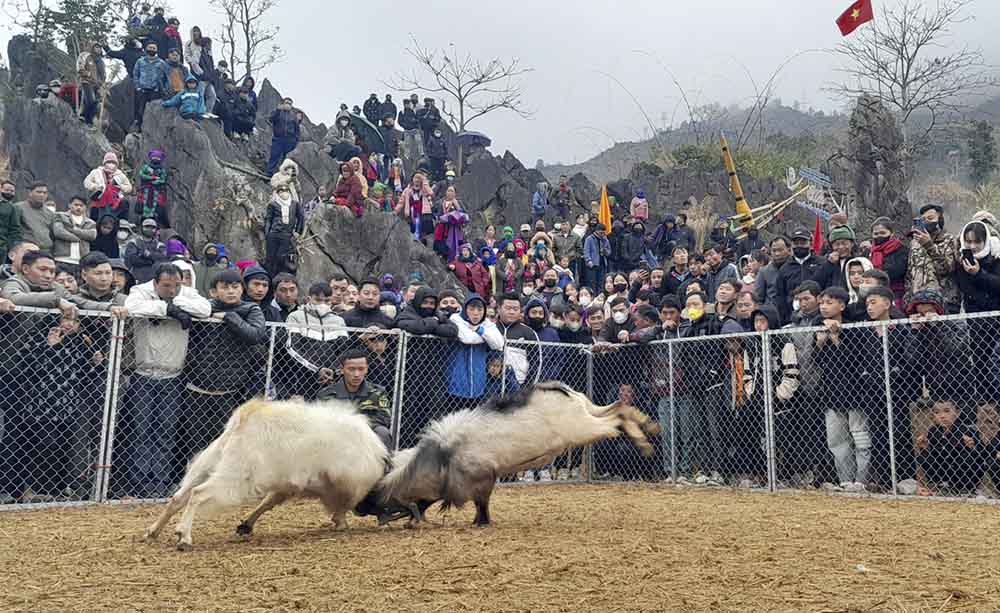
x: 503, y: 370
x: 397, y: 392
x: 268, y: 380
x: 673, y: 414
x: 108, y: 420
x: 588, y: 452
x: 769, y: 434
x: 887, y: 375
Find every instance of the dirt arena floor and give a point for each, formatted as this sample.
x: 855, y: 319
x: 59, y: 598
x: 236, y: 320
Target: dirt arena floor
x: 553, y: 548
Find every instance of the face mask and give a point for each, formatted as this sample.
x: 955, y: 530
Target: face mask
x: 150, y: 53
x: 585, y: 301
x: 695, y: 314
x: 637, y: 230
x: 800, y: 252
x: 795, y: 305
x: 7, y: 197
x: 148, y: 233
x: 881, y: 240
x: 110, y: 167
x: 321, y: 309
x: 620, y: 287
x: 550, y: 283
x: 528, y: 290
x: 511, y: 253
x: 863, y: 292
x: 555, y: 322
x: 536, y: 323
x: 389, y: 310
x: 573, y: 327
x: 450, y: 310
x: 620, y: 318
x: 211, y: 258
x: 122, y: 235
x: 932, y: 227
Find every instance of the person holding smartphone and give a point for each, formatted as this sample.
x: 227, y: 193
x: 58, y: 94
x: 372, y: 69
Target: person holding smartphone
x: 979, y: 282
x: 933, y: 257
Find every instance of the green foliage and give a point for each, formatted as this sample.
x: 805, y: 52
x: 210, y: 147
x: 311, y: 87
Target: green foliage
x: 700, y: 158
x: 648, y: 168
x: 982, y: 151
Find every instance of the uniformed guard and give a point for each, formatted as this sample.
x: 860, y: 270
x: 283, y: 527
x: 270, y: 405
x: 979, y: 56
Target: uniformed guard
x: 372, y: 400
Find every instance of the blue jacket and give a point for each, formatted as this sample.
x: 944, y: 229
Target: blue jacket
x: 284, y: 124
x: 467, y: 370
x: 188, y: 102
x: 150, y: 74
x: 539, y: 203
x: 596, y: 250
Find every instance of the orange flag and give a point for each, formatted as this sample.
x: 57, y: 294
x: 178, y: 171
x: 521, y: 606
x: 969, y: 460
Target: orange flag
x: 604, y: 214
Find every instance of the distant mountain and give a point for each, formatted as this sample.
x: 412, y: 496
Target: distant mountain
x: 616, y: 163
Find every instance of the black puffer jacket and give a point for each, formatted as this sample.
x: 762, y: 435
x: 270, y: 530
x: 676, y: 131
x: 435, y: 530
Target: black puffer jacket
x: 221, y: 355
x: 790, y: 276
x: 414, y: 320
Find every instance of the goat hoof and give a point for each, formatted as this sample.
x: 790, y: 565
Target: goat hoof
x: 182, y: 546
x: 150, y: 536
x: 244, y: 529
x: 480, y: 524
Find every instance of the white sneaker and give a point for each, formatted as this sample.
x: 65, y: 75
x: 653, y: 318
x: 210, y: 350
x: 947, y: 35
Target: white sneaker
x: 562, y: 474
x: 527, y: 477
x: 701, y: 479
x: 544, y: 475
x: 859, y: 487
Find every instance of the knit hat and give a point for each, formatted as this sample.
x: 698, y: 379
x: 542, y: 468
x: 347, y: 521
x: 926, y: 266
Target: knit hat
x: 842, y: 233
x: 640, y: 194
x: 378, y: 187
x: 926, y: 296
x: 253, y: 271
x: 110, y: 157
x: 175, y: 247
x: 156, y: 154
x: 508, y: 232
x: 450, y: 293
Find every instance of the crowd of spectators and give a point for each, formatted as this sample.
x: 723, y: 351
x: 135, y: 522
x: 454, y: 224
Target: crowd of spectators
x: 616, y: 289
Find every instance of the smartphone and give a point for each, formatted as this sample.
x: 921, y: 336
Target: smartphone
x: 918, y: 224
x: 968, y: 256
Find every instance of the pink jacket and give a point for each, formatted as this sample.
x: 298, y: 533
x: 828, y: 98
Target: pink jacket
x: 403, y: 207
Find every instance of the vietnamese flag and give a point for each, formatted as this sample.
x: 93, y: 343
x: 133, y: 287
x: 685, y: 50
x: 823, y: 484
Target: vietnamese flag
x: 858, y: 13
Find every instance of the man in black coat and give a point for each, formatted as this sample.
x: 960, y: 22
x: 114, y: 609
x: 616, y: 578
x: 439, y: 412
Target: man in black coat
x: 408, y: 116
x: 372, y: 109
x: 388, y: 108
x: 366, y: 313
x: 802, y: 266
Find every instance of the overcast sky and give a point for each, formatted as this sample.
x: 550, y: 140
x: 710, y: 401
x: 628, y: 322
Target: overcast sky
x: 334, y: 53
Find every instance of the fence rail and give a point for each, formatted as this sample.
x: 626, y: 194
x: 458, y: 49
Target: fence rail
x: 100, y: 409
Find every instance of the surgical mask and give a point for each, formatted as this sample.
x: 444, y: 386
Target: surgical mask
x: 528, y: 290
x: 795, y: 305
x: 555, y: 322
x: 550, y: 283
x: 585, y: 301
x: 122, y: 235
x: 148, y: 232
x: 695, y: 314
x: 619, y: 317
x: 881, y: 240
x: 620, y: 287
x: 863, y: 292
x: 800, y: 252
x: 574, y: 326
x: 389, y: 310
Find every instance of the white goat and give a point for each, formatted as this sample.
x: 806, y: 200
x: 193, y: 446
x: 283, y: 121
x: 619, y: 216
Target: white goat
x: 460, y: 456
x: 280, y: 450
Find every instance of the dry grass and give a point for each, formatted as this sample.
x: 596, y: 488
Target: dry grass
x: 559, y: 548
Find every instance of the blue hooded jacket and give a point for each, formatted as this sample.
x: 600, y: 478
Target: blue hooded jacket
x: 467, y: 376
x: 188, y: 101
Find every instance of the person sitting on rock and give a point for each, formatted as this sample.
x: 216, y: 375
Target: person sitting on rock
x: 108, y: 186
x: 191, y: 102
x: 152, y: 200
x: 348, y: 192
x: 177, y: 74
x: 244, y: 116
x: 341, y: 140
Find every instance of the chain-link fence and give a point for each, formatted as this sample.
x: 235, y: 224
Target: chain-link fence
x: 93, y: 408
x: 56, y: 380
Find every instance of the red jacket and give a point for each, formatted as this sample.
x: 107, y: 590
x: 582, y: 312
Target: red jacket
x: 475, y: 277
x: 348, y: 193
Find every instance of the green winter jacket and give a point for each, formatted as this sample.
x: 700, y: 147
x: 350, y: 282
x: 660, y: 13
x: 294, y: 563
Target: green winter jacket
x: 10, y: 228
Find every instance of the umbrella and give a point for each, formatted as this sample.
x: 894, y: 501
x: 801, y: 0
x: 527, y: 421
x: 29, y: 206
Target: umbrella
x: 368, y: 133
x: 471, y: 139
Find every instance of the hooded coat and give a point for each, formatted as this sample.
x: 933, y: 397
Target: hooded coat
x: 467, y: 376
x: 981, y: 291
x: 204, y: 272
x: 633, y: 247
x: 866, y: 265
x: 474, y: 275
x: 420, y: 322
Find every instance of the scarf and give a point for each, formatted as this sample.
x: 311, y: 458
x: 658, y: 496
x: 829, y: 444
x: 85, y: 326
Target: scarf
x: 879, y: 252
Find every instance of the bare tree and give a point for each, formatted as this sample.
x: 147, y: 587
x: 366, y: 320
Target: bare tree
x: 247, y: 39
x: 476, y: 87
x: 898, y: 59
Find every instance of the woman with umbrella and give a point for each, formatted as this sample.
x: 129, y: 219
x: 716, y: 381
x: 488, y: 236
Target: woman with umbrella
x: 341, y: 139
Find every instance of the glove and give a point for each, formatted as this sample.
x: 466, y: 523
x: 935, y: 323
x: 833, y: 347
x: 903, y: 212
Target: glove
x: 180, y: 315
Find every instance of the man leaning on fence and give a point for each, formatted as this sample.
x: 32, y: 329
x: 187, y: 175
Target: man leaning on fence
x: 153, y: 401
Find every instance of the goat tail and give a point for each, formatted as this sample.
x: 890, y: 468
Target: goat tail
x: 417, y: 471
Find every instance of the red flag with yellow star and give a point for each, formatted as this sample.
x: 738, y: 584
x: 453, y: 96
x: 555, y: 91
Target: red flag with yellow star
x: 860, y: 12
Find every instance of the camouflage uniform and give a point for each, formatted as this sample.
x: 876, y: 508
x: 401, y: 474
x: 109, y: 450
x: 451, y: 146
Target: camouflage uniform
x: 933, y: 267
